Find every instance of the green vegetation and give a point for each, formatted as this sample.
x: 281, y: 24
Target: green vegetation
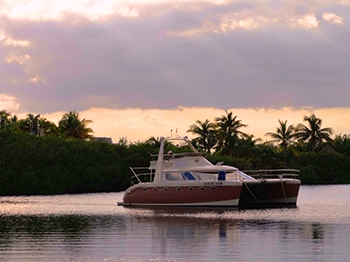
x: 38, y: 157
x: 70, y: 126
x: 34, y: 165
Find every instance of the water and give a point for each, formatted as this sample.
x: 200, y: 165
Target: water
x: 92, y: 227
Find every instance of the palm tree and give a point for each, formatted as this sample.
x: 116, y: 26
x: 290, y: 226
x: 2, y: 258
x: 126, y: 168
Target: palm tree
x: 70, y: 126
x: 247, y: 146
x: 206, y: 134
x: 230, y: 125
x: 46, y: 127
x: 267, y: 156
x: 13, y: 123
x: 228, y: 132
x: 154, y: 141
x: 30, y: 124
x: 313, y: 133
x: 284, y: 136
x: 4, y: 119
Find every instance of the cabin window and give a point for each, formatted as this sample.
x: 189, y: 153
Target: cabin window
x: 188, y: 176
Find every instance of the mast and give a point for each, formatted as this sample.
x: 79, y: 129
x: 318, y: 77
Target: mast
x: 160, y: 159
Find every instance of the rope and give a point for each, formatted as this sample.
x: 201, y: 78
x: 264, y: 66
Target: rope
x: 284, y: 192
x: 257, y: 200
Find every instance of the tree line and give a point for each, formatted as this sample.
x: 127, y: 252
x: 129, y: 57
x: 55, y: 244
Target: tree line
x: 70, y: 125
x: 38, y: 157
x: 225, y: 136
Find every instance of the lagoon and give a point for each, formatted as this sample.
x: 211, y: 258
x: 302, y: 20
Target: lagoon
x: 91, y: 227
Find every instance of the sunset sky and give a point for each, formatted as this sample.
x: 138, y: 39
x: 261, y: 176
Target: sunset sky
x: 142, y: 68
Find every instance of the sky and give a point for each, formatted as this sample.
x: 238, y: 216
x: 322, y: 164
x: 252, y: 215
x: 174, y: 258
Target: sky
x: 152, y: 68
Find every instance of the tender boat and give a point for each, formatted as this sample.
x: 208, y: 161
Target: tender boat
x: 269, y: 188
x: 184, y: 180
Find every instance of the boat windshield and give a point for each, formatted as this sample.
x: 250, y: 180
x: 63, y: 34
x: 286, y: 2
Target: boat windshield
x: 244, y: 175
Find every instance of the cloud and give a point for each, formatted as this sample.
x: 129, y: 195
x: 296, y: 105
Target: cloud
x: 13, y: 42
x: 149, y: 55
x: 333, y: 18
x: 308, y: 22
x: 8, y: 103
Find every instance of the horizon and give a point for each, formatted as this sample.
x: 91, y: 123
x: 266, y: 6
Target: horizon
x: 118, y: 124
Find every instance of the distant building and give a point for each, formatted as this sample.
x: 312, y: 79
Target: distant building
x: 329, y: 149
x: 104, y: 139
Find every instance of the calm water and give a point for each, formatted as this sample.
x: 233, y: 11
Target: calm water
x: 92, y: 227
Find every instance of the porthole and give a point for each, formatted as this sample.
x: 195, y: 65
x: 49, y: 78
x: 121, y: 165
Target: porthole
x: 165, y: 188
x: 129, y: 192
x: 212, y: 187
x: 201, y: 188
x: 154, y: 188
x: 190, y: 188
x: 145, y: 188
x: 178, y: 188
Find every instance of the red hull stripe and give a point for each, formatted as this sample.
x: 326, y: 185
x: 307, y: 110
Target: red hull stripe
x: 181, y: 194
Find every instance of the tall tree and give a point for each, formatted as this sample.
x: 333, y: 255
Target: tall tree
x: 247, y: 146
x: 4, y: 119
x: 284, y: 137
x: 228, y: 132
x: 46, y: 127
x: 154, y: 141
x: 30, y: 124
x: 205, y: 132
x: 267, y: 156
x: 312, y: 132
x: 13, y: 123
x: 70, y: 126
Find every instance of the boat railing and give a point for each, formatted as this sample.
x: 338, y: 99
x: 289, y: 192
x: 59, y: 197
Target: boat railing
x: 273, y: 173
x: 145, y: 174
x: 141, y: 174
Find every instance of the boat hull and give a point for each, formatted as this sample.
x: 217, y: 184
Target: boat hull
x: 200, y: 195
x: 269, y: 193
